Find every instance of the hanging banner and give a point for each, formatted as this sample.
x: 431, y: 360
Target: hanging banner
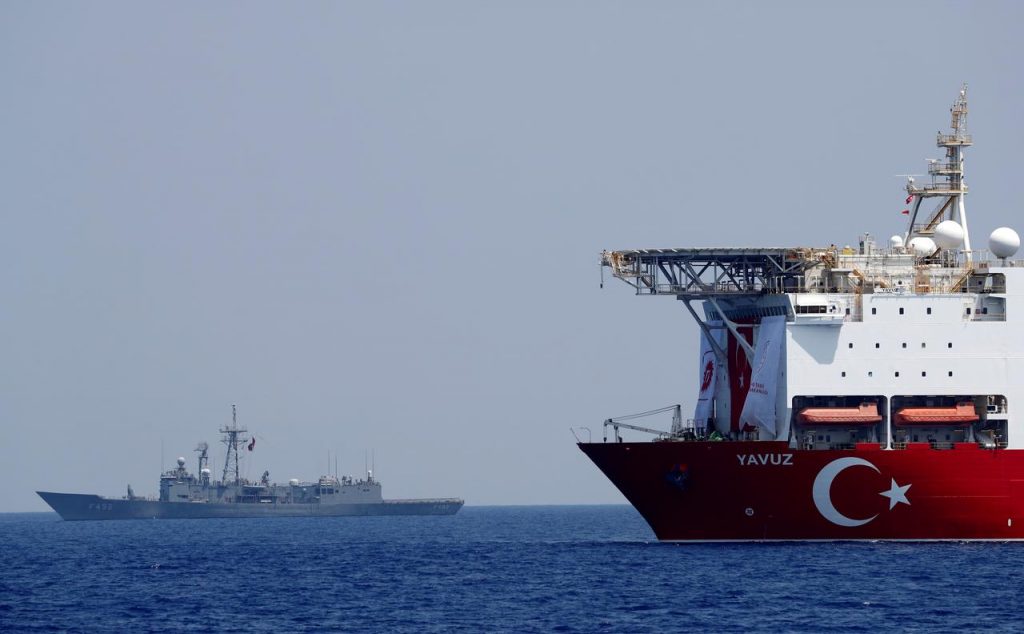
x: 759, y: 408
x: 707, y: 373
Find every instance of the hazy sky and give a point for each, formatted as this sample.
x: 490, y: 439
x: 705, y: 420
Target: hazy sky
x: 377, y: 225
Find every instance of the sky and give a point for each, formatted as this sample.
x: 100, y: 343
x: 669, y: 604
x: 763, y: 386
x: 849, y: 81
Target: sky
x: 376, y: 227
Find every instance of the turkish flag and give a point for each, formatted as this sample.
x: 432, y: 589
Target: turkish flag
x: 909, y: 199
x: 905, y: 212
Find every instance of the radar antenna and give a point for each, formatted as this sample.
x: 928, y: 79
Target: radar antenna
x: 233, y: 436
x: 204, y: 458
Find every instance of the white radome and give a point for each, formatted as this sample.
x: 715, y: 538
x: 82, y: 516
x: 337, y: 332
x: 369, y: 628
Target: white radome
x: 1004, y: 242
x: 205, y: 471
x: 922, y: 246
x: 181, y: 461
x: 949, y: 234
x: 896, y: 242
x: 294, y: 482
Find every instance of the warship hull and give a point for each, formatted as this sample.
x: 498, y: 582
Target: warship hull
x: 78, y: 506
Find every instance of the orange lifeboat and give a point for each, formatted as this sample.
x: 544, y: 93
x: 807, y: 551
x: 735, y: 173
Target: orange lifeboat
x: 865, y: 414
x: 962, y: 414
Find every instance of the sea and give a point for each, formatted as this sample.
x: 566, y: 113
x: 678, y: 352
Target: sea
x: 486, y: 569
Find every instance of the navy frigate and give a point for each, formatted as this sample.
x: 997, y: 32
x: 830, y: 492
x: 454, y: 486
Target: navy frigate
x: 184, y: 495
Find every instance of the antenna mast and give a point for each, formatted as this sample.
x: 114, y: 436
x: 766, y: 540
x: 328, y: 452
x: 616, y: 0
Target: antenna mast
x: 951, y: 192
x: 233, y: 437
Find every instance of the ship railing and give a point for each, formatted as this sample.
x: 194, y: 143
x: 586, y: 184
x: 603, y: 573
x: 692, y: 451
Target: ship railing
x: 943, y: 168
x: 426, y: 500
x: 990, y: 316
x: 954, y: 139
x: 943, y: 187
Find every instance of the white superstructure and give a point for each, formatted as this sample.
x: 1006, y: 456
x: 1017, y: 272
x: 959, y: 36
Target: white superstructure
x: 924, y: 334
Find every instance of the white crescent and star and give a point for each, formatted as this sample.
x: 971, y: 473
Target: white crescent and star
x: 822, y: 491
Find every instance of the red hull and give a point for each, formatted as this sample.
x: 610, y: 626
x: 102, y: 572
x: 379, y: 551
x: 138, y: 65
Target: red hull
x: 719, y: 491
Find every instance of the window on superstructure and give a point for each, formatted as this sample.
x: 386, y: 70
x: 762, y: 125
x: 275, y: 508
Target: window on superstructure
x: 851, y: 344
x: 924, y: 374
x: 901, y: 310
x: 876, y: 345
x: 984, y: 311
x: 924, y: 345
x: 904, y: 344
x: 968, y: 310
x: 949, y: 345
x: 874, y: 311
x: 950, y: 373
x: 929, y: 310
x: 897, y: 373
x: 844, y: 373
x: 847, y: 310
x: 870, y: 373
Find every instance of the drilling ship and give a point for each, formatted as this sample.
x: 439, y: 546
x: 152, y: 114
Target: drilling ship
x: 184, y: 495
x: 854, y: 393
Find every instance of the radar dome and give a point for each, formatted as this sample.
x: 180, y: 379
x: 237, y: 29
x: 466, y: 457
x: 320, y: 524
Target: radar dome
x: 1003, y: 242
x: 896, y: 242
x: 205, y: 471
x: 181, y: 461
x: 949, y: 234
x: 294, y: 482
x: 922, y: 247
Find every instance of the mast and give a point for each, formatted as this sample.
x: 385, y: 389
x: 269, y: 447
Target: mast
x: 951, y: 193
x: 233, y: 436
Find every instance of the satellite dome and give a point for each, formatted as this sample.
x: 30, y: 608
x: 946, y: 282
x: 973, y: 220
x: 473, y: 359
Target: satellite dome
x: 205, y: 471
x: 181, y: 461
x: 1004, y: 242
x: 922, y: 247
x: 294, y: 482
x: 896, y: 242
x: 949, y: 234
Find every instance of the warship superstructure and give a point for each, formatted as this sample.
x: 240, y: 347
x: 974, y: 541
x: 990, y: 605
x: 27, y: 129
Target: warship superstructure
x: 188, y: 495
x: 867, y: 392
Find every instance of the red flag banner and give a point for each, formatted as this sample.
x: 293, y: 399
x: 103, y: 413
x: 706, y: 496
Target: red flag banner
x: 905, y: 212
x: 909, y: 199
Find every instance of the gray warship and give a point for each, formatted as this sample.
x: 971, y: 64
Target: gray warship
x: 184, y: 495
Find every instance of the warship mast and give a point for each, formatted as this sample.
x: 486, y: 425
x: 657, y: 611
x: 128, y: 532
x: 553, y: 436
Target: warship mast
x: 233, y: 436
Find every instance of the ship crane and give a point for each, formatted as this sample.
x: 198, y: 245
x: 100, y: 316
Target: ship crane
x: 677, y: 423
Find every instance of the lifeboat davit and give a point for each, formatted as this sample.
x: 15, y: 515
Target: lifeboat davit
x: 865, y: 414
x: 962, y: 414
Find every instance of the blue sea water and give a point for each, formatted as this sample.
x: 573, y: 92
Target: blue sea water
x: 487, y: 569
